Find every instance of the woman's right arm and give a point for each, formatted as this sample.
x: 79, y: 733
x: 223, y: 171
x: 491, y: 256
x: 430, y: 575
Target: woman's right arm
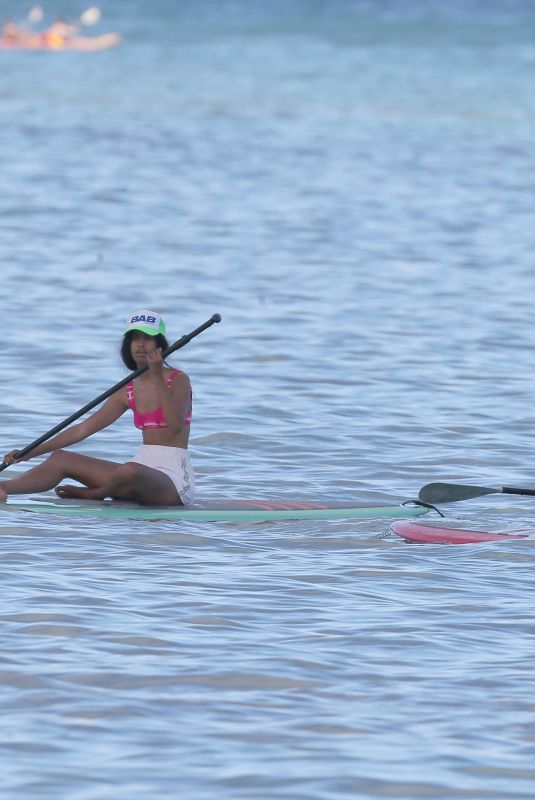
x: 106, y: 415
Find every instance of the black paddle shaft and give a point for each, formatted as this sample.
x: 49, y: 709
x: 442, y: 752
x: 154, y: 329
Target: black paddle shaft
x: 104, y: 396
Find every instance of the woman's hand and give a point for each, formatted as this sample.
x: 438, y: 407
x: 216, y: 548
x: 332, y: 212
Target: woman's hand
x: 11, y: 457
x: 155, y: 362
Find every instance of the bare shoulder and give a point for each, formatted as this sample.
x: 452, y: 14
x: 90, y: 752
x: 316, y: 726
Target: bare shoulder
x: 180, y: 380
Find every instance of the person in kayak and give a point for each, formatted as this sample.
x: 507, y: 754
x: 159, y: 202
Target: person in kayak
x: 14, y: 33
x: 160, y: 473
x: 58, y: 35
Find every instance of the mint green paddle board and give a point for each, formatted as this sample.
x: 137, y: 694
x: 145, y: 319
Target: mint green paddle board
x: 216, y: 511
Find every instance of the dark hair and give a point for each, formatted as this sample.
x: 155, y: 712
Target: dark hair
x: 126, y: 352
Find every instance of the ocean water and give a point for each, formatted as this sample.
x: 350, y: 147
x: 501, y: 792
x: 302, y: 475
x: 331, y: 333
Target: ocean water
x: 350, y: 184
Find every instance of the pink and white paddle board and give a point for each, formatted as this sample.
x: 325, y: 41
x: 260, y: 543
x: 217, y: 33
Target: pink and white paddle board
x: 416, y: 532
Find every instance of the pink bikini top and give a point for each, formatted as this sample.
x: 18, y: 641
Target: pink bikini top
x: 155, y: 418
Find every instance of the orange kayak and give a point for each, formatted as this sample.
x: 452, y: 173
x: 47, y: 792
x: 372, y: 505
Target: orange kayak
x: 87, y: 44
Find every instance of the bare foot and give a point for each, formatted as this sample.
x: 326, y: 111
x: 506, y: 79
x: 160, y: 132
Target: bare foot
x: 79, y: 493
x: 3, y: 495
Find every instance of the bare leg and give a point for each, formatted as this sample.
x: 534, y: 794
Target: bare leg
x: 62, y: 464
x: 129, y: 481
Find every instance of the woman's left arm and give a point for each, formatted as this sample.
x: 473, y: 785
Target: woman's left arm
x: 174, y: 400
x: 180, y: 401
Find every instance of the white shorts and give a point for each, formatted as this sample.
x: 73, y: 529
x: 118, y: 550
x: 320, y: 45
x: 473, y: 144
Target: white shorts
x: 172, y: 461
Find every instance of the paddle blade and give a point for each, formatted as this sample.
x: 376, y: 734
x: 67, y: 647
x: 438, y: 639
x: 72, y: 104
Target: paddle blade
x: 91, y: 16
x: 36, y: 15
x: 451, y: 492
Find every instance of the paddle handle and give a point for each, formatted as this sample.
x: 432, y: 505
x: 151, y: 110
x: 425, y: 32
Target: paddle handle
x: 104, y: 396
x: 510, y: 490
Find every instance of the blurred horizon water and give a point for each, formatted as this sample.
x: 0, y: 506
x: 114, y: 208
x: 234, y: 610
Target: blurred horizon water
x: 349, y: 183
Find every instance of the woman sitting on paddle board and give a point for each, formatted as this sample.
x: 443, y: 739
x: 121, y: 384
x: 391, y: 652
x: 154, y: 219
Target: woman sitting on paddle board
x: 160, y: 473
